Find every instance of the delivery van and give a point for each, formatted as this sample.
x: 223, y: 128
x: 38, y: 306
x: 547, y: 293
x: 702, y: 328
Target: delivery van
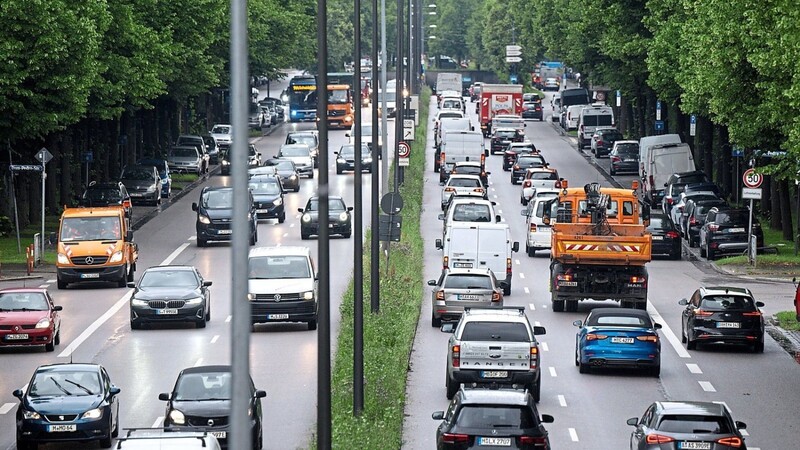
x: 665, y: 160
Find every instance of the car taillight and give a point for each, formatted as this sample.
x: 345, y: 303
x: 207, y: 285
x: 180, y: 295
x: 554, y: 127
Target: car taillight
x: 692, y: 221
x: 537, y: 441
x: 615, y: 159
x: 702, y: 313
x: 595, y: 337
x: 658, y: 439
x: 752, y: 314
x: 526, y: 184
x: 672, y: 234
x: 734, y: 441
x: 533, y: 227
x: 713, y: 228
x: 496, y: 297
x: 635, y: 279
x: 440, y: 295
x: 455, y: 438
x: 564, y: 277
x: 516, y: 166
x: 647, y: 338
x: 446, y: 262
x: 599, y: 142
x: 479, y: 190
x: 456, y: 355
x: 449, y: 189
x: 670, y: 200
x: 508, y: 265
x: 534, y: 356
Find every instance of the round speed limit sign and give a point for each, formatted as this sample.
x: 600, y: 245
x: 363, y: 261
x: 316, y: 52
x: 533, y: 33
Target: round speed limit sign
x: 404, y: 150
x: 752, y: 179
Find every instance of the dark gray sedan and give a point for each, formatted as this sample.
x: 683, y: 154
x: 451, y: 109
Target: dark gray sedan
x: 287, y: 172
x: 340, y: 220
x: 170, y: 294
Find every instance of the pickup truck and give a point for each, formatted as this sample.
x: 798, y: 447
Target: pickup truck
x: 493, y: 346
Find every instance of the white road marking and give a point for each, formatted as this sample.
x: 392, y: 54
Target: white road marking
x: 522, y: 275
x: 516, y: 261
x: 159, y: 421
x: 192, y: 238
x: 291, y: 225
x: 693, y: 368
x: 198, y: 362
x: 573, y: 435
x: 745, y: 433
x: 174, y: 254
x: 553, y: 372
x: 51, y: 281
x: 530, y: 305
x: 544, y: 306
x: 537, y: 323
x: 215, y: 339
x: 6, y: 408
x: 528, y: 291
x: 562, y: 401
x: 707, y: 386
x: 278, y: 244
x: 227, y: 319
x: 667, y: 331
x: 285, y: 234
x: 492, y: 189
x: 42, y: 286
x: 499, y: 211
x: 494, y: 196
x: 544, y: 346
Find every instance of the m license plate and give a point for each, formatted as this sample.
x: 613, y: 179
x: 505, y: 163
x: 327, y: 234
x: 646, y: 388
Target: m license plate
x: 16, y: 337
x: 658, y: 238
x: 224, y: 231
x: 729, y: 325
x: 567, y: 283
x: 462, y: 265
x: 166, y: 312
x: 622, y: 340
x: 734, y: 230
x: 277, y: 316
x: 468, y: 297
x: 220, y: 434
x: 494, y: 374
x: 688, y: 445
x: 262, y: 211
x: 495, y: 441
x: 61, y: 428
x: 90, y: 275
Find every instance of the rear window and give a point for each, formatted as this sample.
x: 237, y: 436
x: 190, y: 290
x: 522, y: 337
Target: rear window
x: 530, y: 161
x: 465, y: 281
x: 543, y: 176
x: 691, y: 424
x: 628, y: 149
x: 492, y: 417
x: 597, y: 120
x: 612, y: 134
x: 728, y: 303
x: 732, y: 218
x: 495, y: 331
x: 464, y: 182
x: 472, y: 213
x: 657, y: 223
x: 505, y: 134
x: 620, y: 320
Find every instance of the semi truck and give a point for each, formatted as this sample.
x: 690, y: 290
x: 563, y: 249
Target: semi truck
x: 600, y: 246
x: 498, y: 99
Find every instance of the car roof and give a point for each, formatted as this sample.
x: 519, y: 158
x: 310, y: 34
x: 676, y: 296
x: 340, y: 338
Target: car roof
x: 627, y: 141
x: 23, y: 289
x: 171, y: 267
x: 511, y: 397
x: 216, y: 188
x: 185, y: 146
x: 104, y: 185
x: 207, y: 369
x: 284, y: 250
x: 464, y: 175
x: 724, y: 290
x: 693, y: 408
x: 540, y: 169
x: 620, y: 312
x: 481, y: 272
x: 468, y: 163
x: 330, y: 197
x: 59, y: 367
x: 295, y: 145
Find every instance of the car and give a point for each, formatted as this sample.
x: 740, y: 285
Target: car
x: 201, y: 400
x: 726, y: 231
x: 457, y: 289
x: 286, y: 170
x: 676, y: 184
x: 29, y: 317
x: 270, y: 111
x: 150, y: 438
x: 199, y: 143
x: 366, y: 137
x: 340, y: 220
x: 695, y: 216
x: 523, y: 163
x: 267, y: 193
x: 722, y: 314
x: 624, y: 157
x: 170, y: 294
x: 539, y: 235
x: 282, y: 286
x: 143, y: 183
x: 665, y: 236
x: 213, y: 149
x: 214, y: 215
x: 223, y: 134
x: 278, y: 105
x: 264, y: 171
x: 452, y: 103
x: 162, y: 167
x: 537, y: 178
x: 442, y: 114
x: 477, y: 168
x: 309, y: 138
x: 531, y: 97
x: 111, y: 193
x: 67, y: 402
x: 253, y: 157
x: 532, y: 110
x: 618, y: 337
x: 346, y: 158
x: 225, y: 162
x: 686, y: 424
x: 186, y: 159
x: 492, y: 418
x: 603, y: 141
x: 462, y: 186
x: 551, y: 84
x: 678, y: 211
x: 501, y: 137
x: 516, y: 148
x: 300, y: 155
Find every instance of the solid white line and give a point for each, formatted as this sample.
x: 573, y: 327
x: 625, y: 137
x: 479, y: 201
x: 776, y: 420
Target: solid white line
x: 42, y: 286
x: 159, y: 421
x: 544, y: 346
x: 522, y: 275
x: 707, y: 386
x: 562, y: 401
x: 528, y: 291
x: 51, y: 281
x: 198, y: 362
x: 192, y: 238
x: 530, y: 305
x: 693, y: 368
x: 6, y: 408
x: 544, y: 306
x: 553, y: 372
x: 227, y: 319
x: 667, y: 331
x: 174, y: 254
x: 573, y: 435
x: 214, y: 339
x: 291, y: 225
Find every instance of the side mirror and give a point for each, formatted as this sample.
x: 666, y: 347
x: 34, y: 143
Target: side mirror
x: 432, y: 283
x: 547, y: 418
x: 260, y: 394
x: 58, y: 308
x: 577, y: 323
x: 335, y: 153
x: 300, y: 210
x: 17, y: 393
x: 114, y: 390
x: 497, y: 218
x: 349, y: 208
x: 515, y: 247
x: 760, y: 304
x: 486, y: 152
x: 258, y: 154
x: 538, y: 331
x: 488, y: 173
x: 130, y: 284
x: 440, y: 217
x: 665, y: 185
x: 347, y: 135
x: 207, y: 283
x: 472, y: 128
x: 164, y: 397
x: 741, y: 425
x: 276, y: 156
x: 502, y: 284
x: 633, y: 421
x: 194, y: 206
x: 438, y: 415
x: 448, y: 328
x: 524, y: 213
x: 439, y: 244
x: 128, y: 236
x: 683, y: 302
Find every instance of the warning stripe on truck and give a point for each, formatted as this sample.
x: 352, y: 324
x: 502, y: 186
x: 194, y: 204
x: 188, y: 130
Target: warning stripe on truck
x: 604, y: 247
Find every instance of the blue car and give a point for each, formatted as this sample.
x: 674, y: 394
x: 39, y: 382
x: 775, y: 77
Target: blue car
x: 618, y: 337
x: 163, y: 172
x: 67, y: 403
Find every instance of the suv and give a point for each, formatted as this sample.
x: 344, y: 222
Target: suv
x: 695, y: 216
x: 496, y: 346
x: 215, y: 215
x: 282, y: 285
x: 496, y: 418
x: 501, y: 137
x: 676, y: 184
x: 725, y: 231
x: 722, y: 314
x: 107, y: 194
x: 603, y: 140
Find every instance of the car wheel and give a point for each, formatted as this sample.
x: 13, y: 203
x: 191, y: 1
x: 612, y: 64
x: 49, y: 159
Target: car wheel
x: 61, y: 284
x: 282, y: 217
x: 558, y: 305
x: 507, y: 289
x: 201, y: 242
x: 115, y: 433
x: 106, y: 441
x: 338, y: 171
x: 758, y: 347
x: 690, y: 241
x: 130, y: 273
x: 683, y: 334
x: 49, y: 347
x: 530, y: 250
x: 312, y: 325
x: 436, y: 323
x: 57, y: 338
x: 690, y: 343
x: 347, y: 235
x: 572, y: 306
x: 523, y: 202
x: 702, y: 251
x: 583, y: 368
x: 655, y: 371
x: 201, y: 323
x: 613, y: 172
x: 25, y: 445
x: 208, y: 313
x: 535, y: 389
x: 710, y: 253
x: 303, y: 235
x: 297, y: 189
x: 676, y: 255
x: 123, y: 281
x: 451, y: 387
x: 136, y: 325
x: 311, y: 175
x: 253, y: 237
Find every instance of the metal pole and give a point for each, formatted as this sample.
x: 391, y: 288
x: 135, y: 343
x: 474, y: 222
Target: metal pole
x: 750, y: 238
x: 384, y: 125
x: 324, y: 434
x: 410, y: 32
x: 797, y: 217
x: 240, y: 436
x: 398, y: 111
x: 358, y: 249
x: 14, y: 196
x: 41, y: 238
x: 374, y: 266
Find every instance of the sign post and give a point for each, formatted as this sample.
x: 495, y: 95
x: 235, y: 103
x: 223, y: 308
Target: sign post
x: 43, y: 156
x: 751, y: 190
x: 619, y: 99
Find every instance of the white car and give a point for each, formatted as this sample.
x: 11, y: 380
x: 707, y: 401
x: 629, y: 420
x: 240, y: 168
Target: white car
x: 300, y: 155
x: 223, y: 134
x: 462, y: 186
x: 456, y: 103
x: 282, y: 285
x: 538, y: 235
x: 551, y: 84
x: 538, y: 178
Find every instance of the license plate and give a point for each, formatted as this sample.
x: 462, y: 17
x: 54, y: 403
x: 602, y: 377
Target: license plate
x: 729, y: 325
x: 220, y: 434
x: 495, y: 441
x: 166, y: 312
x: 61, y: 428
x: 622, y: 340
x: 16, y: 337
x: 736, y: 230
x: 494, y: 374
x: 462, y: 265
x: 468, y: 297
x: 629, y: 160
x: 224, y: 231
x: 567, y: 283
x: 90, y: 275
x: 262, y: 211
x: 277, y: 316
x: 687, y: 445
x: 658, y: 238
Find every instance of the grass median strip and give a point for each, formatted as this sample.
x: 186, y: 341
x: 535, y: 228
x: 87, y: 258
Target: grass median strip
x: 388, y: 336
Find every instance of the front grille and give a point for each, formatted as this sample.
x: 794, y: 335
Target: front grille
x: 85, y: 261
x: 282, y: 297
x: 159, y: 304
x: 60, y: 418
x: 335, y: 113
x: 263, y: 308
x: 203, y: 421
x: 216, y: 221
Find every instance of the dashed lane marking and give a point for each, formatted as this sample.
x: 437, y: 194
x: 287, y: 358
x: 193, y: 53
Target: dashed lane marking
x: 530, y: 305
x: 291, y: 225
x: 537, y: 323
x: 215, y: 339
x: 285, y: 234
x: 198, y: 362
x: 42, y: 286
x: 553, y: 372
x: 51, y: 281
x: 522, y: 275
x: 528, y: 291
x: 494, y: 196
x: 516, y: 261
x: 192, y: 238
x: 707, y: 386
x: 667, y: 331
x: 573, y: 435
x: 693, y: 368
x: 227, y: 319
x: 6, y: 408
x: 545, y: 348
x: 562, y: 401
x: 159, y: 421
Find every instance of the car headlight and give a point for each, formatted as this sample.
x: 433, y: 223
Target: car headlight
x: 63, y: 259
x: 293, y: 177
x: 194, y: 301
x: 343, y: 217
x: 203, y: 219
x: 225, y: 162
x: 250, y: 412
x: 152, y: 189
x: 137, y: 302
x: 44, y: 322
x: 308, y: 295
x: 278, y: 202
x: 368, y: 160
x: 251, y: 296
x: 164, y: 181
x: 177, y: 417
x: 93, y: 414
x: 116, y: 257
x: 306, y: 218
x: 31, y: 415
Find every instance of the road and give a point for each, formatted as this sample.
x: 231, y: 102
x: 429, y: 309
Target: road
x: 146, y: 362
x: 590, y: 410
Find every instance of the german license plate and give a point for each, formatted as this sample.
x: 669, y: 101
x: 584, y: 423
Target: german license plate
x: 61, y: 428
x: 689, y: 445
x: 733, y: 230
x: 567, y: 283
x: 629, y: 160
x: 494, y: 373
x: 622, y: 340
x: 495, y: 441
x: 220, y: 434
x: 468, y: 297
x: 729, y: 325
x: 658, y: 238
x: 277, y: 316
x: 16, y: 337
x: 224, y: 231
x: 90, y: 275
x: 262, y: 211
x: 462, y: 265
x: 166, y: 312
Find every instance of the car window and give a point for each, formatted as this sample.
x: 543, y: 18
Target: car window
x: 264, y: 187
x: 334, y: 204
x: 203, y: 386
x: 295, y: 151
x: 168, y: 278
x: 728, y: 303
x: 137, y: 173
x: 469, y: 170
x: 59, y: 383
x: 732, y: 218
x: 90, y: 229
x: 183, y: 152
x: 543, y: 176
x: 658, y: 223
x: 466, y: 281
x: 618, y: 320
x: 505, y: 417
x: 628, y: 149
x: 693, y: 424
x: 471, y: 213
x: 505, y: 134
x: 278, y: 267
x: 221, y: 129
x: 495, y: 331
x: 306, y: 139
x: 217, y: 199
x: 17, y: 301
x: 464, y: 182
x: 530, y: 161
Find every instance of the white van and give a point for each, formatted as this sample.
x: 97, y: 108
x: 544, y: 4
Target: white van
x: 573, y: 116
x: 665, y: 160
x: 451, y: 124
x: 479, y: 246
x: 645, y: 145
x: 464, y: 209
x: 539, y: 235
x: 459, y: 145
x: 592, y: 117
x: 555, y: 104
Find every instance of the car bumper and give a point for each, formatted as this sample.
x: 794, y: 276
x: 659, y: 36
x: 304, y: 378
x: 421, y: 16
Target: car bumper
x: 625, y: 167
x: 366, y: 166
x: 187, y: 313
x: 333, y: 228
x: 137, y: 197
x: 602, y: 151
x: 632, y: 358
x: 105, y: 273
x: 667, y: 246
x: 305, y: 170
x: 219, y: 432
x: 26, y: 337
x: 532, y: 115
x: 540, y: 240
x: 84, y: 430
x: 517, y: 176
x: 731, y: 335
x: 214, y: 233
x: 732, y: 246
x: 270, y: 211
x: 474, y: 376
x: 294, y: 311
x: 449, y: 311
x: 291, y: 183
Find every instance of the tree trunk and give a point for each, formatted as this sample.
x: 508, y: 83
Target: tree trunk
x: 774, y: 212
x: 786, y: 208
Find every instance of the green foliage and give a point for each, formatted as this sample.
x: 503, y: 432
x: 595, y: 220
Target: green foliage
x: 6, y: 226
x: 788, y: 320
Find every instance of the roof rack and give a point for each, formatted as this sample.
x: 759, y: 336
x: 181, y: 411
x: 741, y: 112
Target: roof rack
x: 201, y: 434
x: 520, y: 309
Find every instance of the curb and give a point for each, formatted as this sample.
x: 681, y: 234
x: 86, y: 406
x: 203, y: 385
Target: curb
x: 724, y: 271
x: 788, y: 340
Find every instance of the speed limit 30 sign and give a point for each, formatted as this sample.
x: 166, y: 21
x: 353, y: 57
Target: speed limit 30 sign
x: 752, y: 179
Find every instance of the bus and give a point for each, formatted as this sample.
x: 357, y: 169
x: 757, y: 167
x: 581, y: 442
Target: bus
x: 302, y: 93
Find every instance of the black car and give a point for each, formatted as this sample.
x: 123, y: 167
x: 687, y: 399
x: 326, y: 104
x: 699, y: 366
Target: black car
x: 722, y: 314
x: 676, y: 184
x: 666, y: 238
x: 684, y: 425
x: 143, y: 183
x: 213, y: 149
x: 201, y: 400
x: 532, y: 110
x: 107, y: 194
x: 346, y: 158
x: 726, y: 231
x: 492, y: 418
x: 695, y: 216
x: 286, y: 171
x: 170, y: 294
x: 163, y: 172
x: 70, y: 402
x: 603, y: 141
x: 267, y: 194
x: 523, y: 163
x: 516, y: 148
x: 501, y: 137
x: 624, y: 157
x: 215, y: 214
x: 339, y: 218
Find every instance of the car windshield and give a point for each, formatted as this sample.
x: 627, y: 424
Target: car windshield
x: 295, y: 151
x: 278, y: 267
x: 334, y: 205
x: 90, y: 229
x: 58, y: 383
x: 505, y: 134
x: 530, y: 161
x: 221, y: 129
x: 463, y: 182
x: 618, y: 320
x: 350, y: 150
x: 471, y: 213
x: 203, y: 386
x: 101, y: 196
x: 137, y: 173
x: 264, y: 187
x: 23, y: 301
x: 658, y: 223
x: 628, y: 149
x: 168, y: 278
x: 727, y: 303
x: 283, y: 165
x: 218, y: 199
x: 495, y: 416
x: 495, y: 331
x: 467, y: 281
x: 693, y: 424
x: 452, y: 104
x: 306, y: 139
x: 183, y: 153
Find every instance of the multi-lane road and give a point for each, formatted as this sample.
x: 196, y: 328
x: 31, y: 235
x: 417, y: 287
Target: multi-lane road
x: 590, y: 410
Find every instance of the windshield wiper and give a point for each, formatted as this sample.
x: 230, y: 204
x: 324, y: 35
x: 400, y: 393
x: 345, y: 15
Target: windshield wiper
x: 502, y: 425
x: 80, y: 386
x: 60, y: 386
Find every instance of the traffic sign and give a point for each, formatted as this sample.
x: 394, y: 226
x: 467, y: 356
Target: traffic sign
x: 751, y: 193
x: 25, y: 168
x: 659, y: 125
x: 693, y: 125
x: 408, y: 129
x: 513, y: 59
x: 44, y: 156
x: 752, y: 179
x: 513, y: 50
x: 619, y: 99
x: 392, y: 203
x: 404, y: 150
x: 658, y: 109
x: 737, y: 152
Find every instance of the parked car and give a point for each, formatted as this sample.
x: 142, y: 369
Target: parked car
x: 695, y: 212
x: 213, y: 149
x: 340, y: 221
x: 170, y: 294
x: 666, y: 237
x: 603, y: 141
x: 268, y: 197
x: 186, y: 159
x: 107, y: 194
x: 199, y: 143
x: 722, y: 314
x: 214, y: 215
x: 143, y: 183
x: 162, y: 167
x: 287, y: 172
x: 624, y: 157
x: 678, y: 211
x: 532, y: 110
x: 30, y: 318
x: 676, y: 184
x: 726, y: 231
x: 223, y: 134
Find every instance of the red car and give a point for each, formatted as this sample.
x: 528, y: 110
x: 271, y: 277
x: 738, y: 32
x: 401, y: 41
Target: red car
x: 29, y: 317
